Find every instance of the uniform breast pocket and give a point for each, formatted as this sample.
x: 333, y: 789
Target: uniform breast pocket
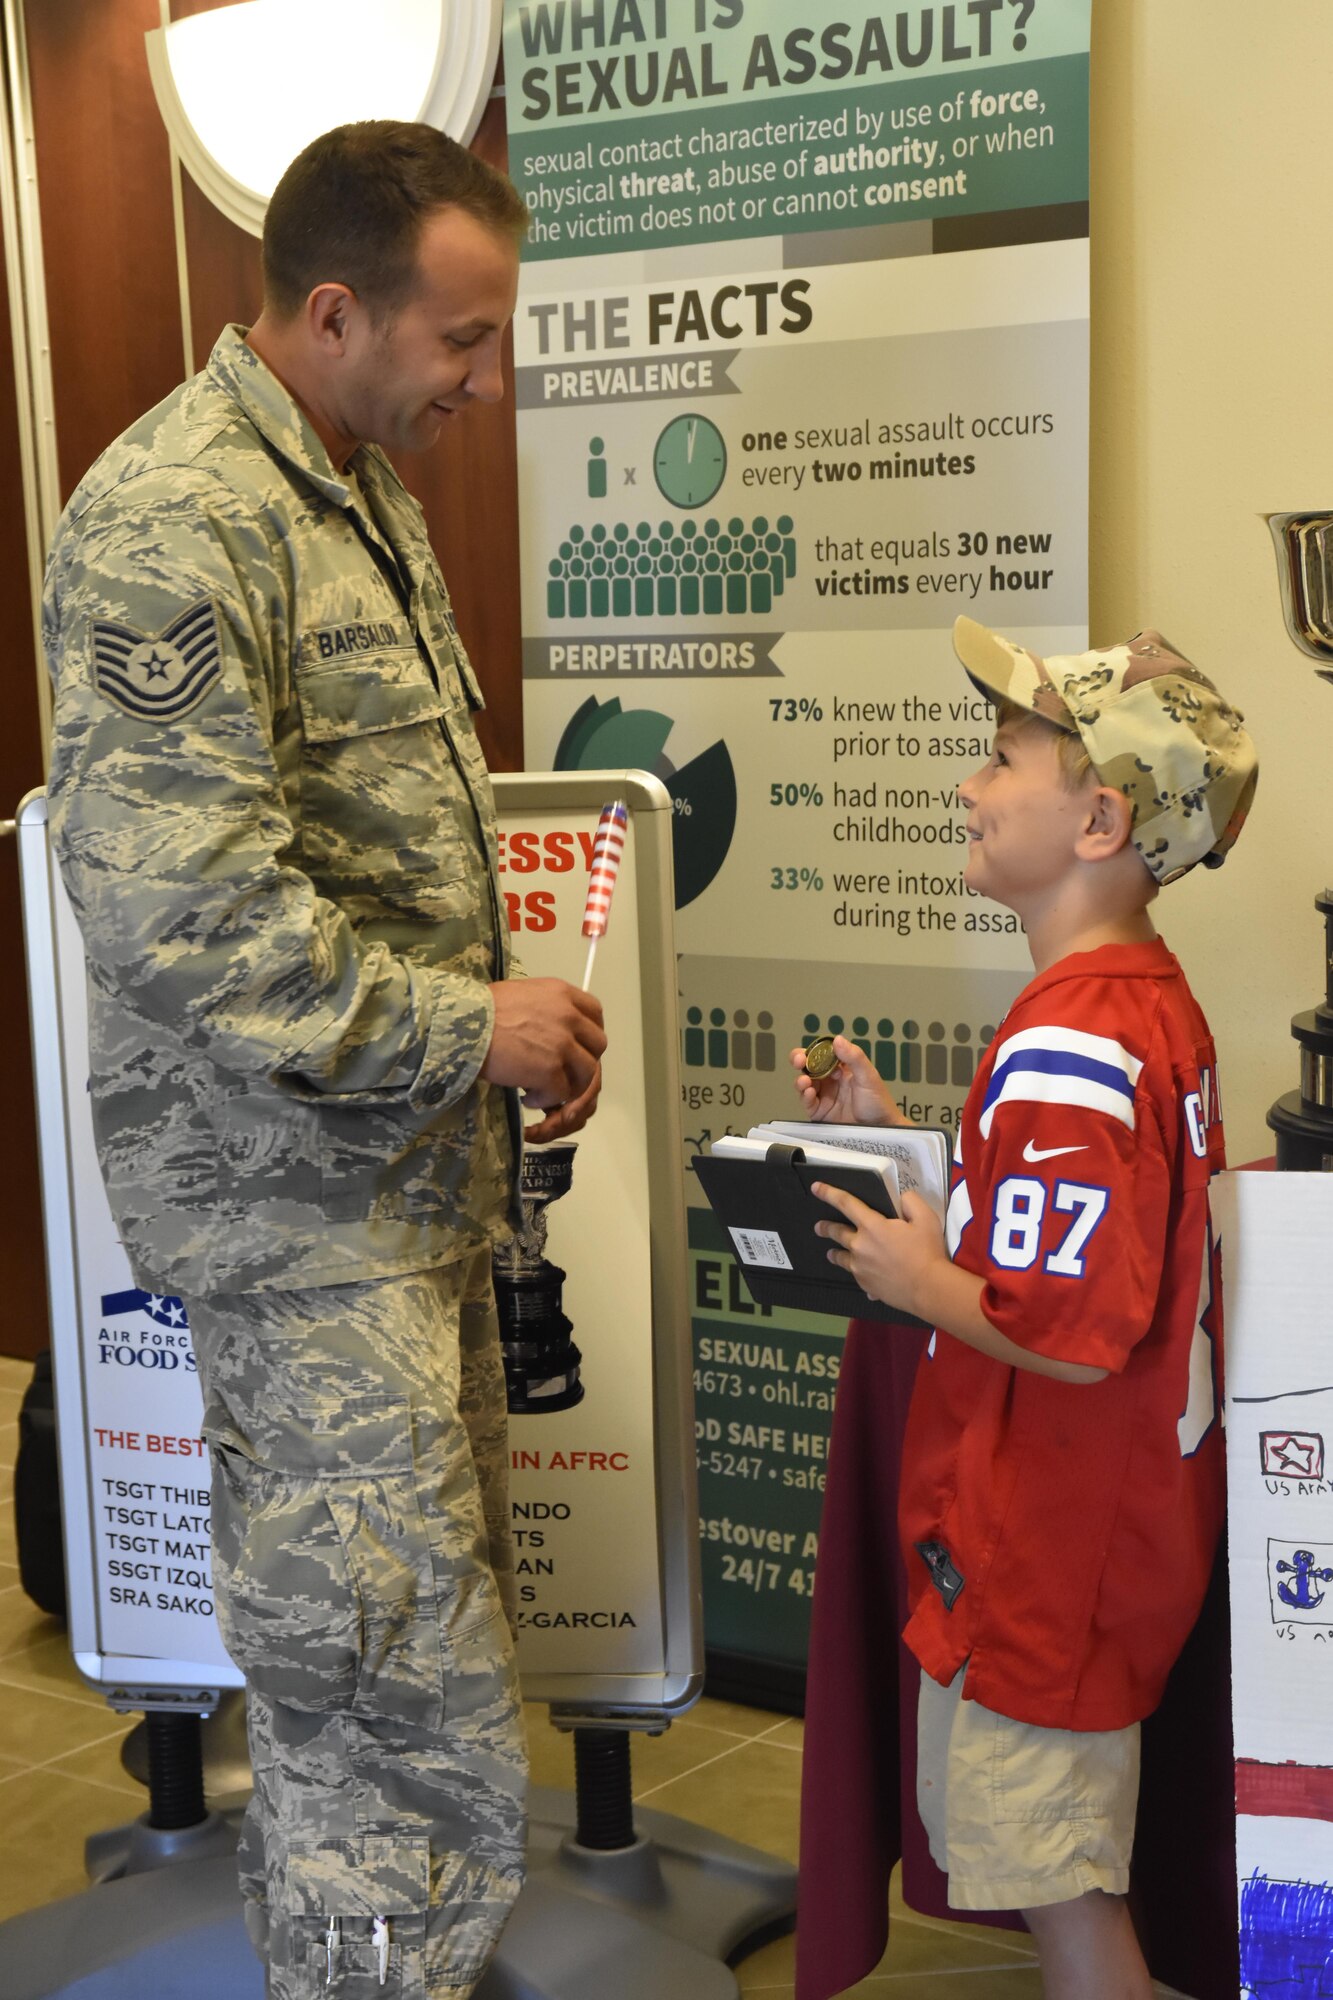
x: 381, y: 822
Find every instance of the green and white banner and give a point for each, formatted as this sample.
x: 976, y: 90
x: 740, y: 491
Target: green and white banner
x: 802, y: 372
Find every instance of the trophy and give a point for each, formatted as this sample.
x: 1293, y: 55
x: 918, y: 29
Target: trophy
x: 541, y: 1362
x: 1303, y: 1119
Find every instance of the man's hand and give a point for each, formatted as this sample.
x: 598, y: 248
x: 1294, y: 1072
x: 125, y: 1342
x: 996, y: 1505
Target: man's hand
x: 568, y: 1118
x: 893, y: 1261
x: 548, y: 1042
x: 853, y: 1094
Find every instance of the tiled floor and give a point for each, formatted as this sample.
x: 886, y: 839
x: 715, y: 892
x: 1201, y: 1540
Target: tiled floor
x: 736, y: 1770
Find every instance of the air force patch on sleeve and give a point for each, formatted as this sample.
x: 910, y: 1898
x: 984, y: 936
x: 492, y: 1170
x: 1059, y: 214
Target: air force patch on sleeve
x: 158, y: 679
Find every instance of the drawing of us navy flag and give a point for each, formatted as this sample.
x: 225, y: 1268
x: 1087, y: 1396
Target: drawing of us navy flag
x: 159, y: 676
x: 1299, y: 1582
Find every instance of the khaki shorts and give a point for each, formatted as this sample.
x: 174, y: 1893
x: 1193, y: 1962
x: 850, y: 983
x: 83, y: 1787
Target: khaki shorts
x: 1019, y: 1817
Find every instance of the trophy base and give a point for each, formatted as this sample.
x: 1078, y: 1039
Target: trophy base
x: 535, y: 1402
x: 1313, y: 1034
x: 541, y: 1361
x: 1304, y: 1136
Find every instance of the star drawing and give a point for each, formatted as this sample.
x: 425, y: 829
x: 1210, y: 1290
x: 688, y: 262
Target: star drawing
x: 1293, y: 1454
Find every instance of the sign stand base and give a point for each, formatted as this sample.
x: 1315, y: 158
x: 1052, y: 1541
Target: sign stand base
x: 657, y: 1919
x: 684, y: 1881
x: 140, y: 1848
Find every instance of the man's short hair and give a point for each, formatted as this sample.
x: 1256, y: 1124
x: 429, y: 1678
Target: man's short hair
x: 351, y: 207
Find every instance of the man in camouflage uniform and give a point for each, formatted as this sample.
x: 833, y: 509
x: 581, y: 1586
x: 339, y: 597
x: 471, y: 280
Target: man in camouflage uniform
x: 277, y: 831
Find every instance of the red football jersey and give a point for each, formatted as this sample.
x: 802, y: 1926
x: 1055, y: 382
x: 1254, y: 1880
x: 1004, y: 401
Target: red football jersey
x: 1059, y: 1536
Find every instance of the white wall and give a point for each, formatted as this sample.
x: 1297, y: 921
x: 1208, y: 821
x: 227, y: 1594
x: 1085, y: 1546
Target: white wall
x: 1212, y: 313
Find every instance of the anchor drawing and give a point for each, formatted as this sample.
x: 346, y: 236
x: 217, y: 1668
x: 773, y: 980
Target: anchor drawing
x: 1299, y: 1594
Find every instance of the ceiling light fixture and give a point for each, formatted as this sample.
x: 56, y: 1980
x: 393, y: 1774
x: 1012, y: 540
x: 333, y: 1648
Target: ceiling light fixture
x: 243, y: 89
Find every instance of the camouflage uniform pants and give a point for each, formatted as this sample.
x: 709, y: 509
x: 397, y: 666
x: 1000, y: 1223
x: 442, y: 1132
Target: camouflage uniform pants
x: 364, y: 1573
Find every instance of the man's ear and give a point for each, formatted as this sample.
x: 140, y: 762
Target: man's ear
x: 1108, y: 821
x: 328, y: 313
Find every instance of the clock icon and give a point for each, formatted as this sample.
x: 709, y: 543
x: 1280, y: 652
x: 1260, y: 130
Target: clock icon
x: 690, y: 461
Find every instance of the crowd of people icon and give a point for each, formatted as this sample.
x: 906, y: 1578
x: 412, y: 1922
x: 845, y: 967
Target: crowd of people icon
x: 728, y: 1046
x: 677, y: 570
x: 945, y: 1056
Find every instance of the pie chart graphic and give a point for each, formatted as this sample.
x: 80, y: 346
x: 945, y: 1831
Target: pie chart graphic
x: 603, y: 736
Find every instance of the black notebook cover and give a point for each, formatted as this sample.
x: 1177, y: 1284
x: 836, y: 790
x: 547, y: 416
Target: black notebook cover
x: 768, y: 1212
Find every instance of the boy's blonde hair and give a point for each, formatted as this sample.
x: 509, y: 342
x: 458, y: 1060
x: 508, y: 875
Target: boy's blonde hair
x: 1076, y: 767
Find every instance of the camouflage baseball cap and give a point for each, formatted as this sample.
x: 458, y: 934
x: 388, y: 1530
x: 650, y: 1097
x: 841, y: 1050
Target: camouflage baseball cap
x: 1152, y: 725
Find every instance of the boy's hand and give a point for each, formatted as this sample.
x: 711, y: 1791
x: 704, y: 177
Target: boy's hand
x: 906, y: 1265
x: 853, y: 1094
x: 891, y: 1261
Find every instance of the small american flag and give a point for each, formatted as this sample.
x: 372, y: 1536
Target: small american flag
x: 607, y: 849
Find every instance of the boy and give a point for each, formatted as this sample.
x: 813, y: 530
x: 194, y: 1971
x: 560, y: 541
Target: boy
x: 1062, y: 1482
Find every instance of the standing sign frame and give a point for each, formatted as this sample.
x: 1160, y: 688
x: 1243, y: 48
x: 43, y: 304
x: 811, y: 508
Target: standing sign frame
x: 784, y: 410
x: 637, y: 1656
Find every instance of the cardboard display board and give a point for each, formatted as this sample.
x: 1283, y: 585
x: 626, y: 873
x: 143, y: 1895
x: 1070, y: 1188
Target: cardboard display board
x: 608, y: 1620
x: 1275, y: 1232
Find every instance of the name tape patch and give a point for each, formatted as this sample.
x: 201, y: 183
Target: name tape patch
x: 339, y: 642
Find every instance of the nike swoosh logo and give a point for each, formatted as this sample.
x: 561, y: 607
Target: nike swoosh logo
x: 1033, y: 1153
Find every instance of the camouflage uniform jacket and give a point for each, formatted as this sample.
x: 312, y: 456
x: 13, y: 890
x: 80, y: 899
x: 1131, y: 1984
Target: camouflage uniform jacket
x: 275, y: 824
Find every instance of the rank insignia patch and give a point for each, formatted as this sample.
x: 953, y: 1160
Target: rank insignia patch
x: 158, y: 679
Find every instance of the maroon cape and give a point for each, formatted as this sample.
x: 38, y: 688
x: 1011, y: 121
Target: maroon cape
x: 858, y: 1793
